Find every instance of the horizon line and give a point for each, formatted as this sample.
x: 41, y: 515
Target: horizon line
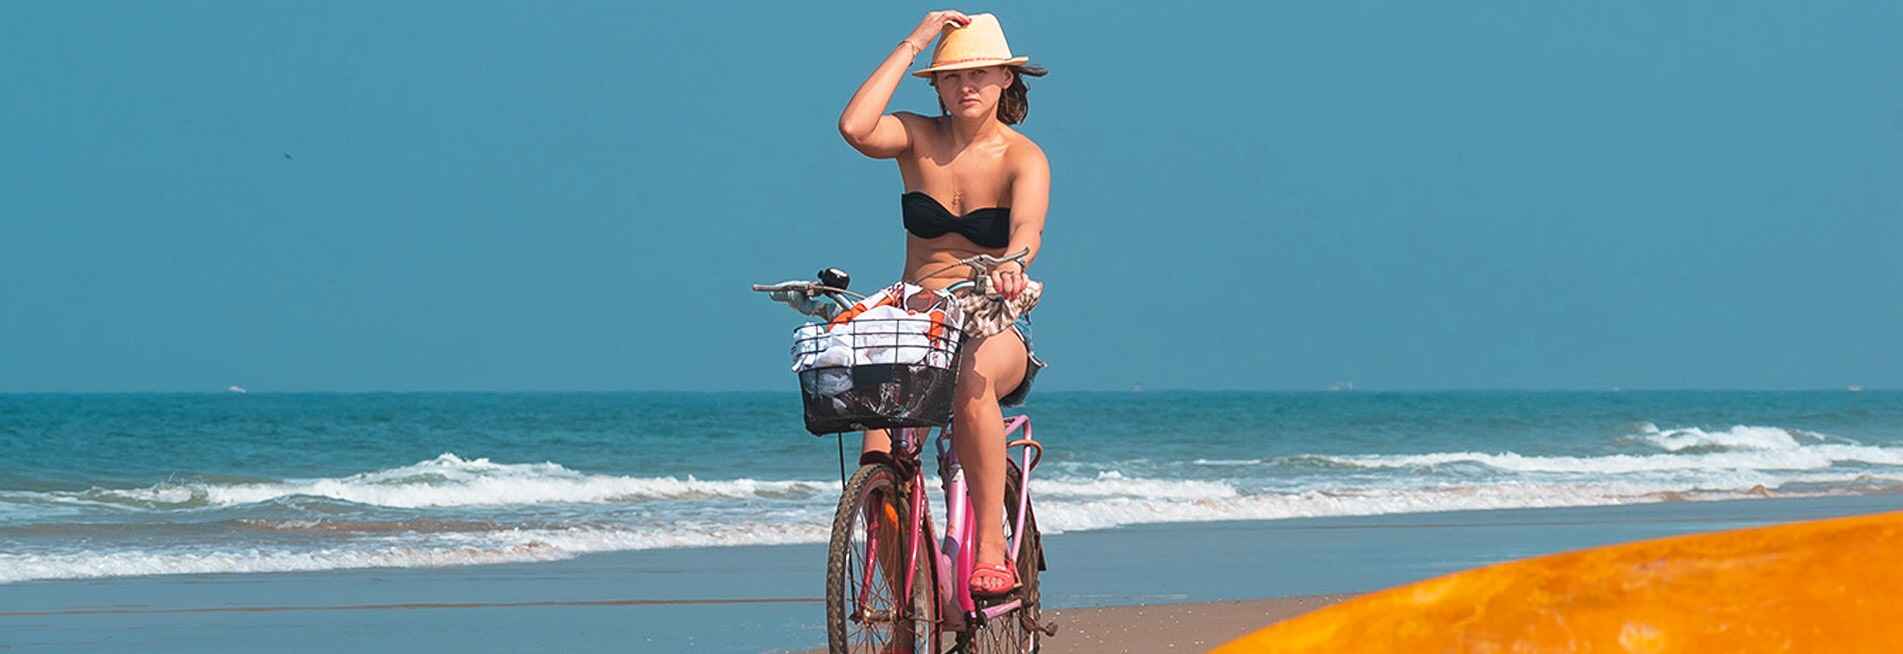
x: 1138, y: 390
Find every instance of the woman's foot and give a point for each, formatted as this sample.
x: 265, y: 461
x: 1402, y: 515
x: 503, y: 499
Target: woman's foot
x: 993, y: 579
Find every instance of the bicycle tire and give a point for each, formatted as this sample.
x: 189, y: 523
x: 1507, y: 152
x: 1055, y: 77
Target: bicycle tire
x: 872, y: 626
x: 1015, y: 632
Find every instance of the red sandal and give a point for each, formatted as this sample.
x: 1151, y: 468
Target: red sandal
x: 1007, y: 576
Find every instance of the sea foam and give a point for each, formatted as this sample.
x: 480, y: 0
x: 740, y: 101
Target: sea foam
x: 436, y: 550
x: 1691, y: 449
x: 450, y: 481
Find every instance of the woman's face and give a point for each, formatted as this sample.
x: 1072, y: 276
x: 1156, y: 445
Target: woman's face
x: 972, y: 92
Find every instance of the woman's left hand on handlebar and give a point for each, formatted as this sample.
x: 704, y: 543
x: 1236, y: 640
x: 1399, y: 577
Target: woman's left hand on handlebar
x: 1008, y: 279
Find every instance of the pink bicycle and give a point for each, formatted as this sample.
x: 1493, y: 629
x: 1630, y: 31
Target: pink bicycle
x: 892, y: 584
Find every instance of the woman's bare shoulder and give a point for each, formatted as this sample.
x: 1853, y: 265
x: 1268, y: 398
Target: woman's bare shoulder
x: 917, y: 125
x: 912, y: 118
x: 1022, y: 151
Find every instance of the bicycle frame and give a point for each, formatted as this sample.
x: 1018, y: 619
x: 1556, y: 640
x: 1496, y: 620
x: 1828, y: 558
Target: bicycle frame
x: 954, y: 558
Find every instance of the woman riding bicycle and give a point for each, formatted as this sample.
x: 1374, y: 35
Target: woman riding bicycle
x: 973, y: 185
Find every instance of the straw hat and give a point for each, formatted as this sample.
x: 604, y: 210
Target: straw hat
x: 978, y: 44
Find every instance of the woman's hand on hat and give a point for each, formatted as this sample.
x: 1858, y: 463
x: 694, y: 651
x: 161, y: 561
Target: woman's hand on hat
x: 934, y: 23
x: 1008, y: 279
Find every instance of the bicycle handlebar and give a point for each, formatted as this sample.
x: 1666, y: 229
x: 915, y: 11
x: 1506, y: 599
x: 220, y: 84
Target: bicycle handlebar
x: 803, y: 296
x: 796, y: 285
x: 798, y: 294
x: 985, y: 263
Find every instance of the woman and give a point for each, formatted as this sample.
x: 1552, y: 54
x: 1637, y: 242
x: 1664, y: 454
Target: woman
x: 972, y: 185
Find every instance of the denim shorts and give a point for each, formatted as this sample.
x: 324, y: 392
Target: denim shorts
x: 1032, y: 364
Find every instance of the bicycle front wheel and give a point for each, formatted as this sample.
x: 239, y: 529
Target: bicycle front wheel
x: 865, y: 571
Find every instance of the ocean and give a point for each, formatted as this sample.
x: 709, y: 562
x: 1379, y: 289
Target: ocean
x: 99, y: 486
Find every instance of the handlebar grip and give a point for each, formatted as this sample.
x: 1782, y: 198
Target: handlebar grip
x: 783, y: 286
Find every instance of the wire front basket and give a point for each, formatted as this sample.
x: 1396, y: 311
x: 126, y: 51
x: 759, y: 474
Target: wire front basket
x: 877, y: 373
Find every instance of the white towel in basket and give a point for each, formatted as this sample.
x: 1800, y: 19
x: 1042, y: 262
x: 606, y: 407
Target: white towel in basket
x: 885, y: 335
x: 877, y: 330
x: 891, y: 335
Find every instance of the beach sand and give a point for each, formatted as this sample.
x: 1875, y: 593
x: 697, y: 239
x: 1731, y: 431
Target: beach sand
x: 1185, y: 627
x: 1159, y: 588
x: 1180, y: 627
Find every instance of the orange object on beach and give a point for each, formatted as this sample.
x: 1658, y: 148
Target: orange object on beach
x: 1818, y: 586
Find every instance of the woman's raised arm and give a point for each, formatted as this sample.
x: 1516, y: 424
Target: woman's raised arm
x: 864, y: 123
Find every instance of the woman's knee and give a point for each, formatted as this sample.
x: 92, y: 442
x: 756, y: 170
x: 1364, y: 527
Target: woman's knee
x: 994, y: 362
x: 974, y: 387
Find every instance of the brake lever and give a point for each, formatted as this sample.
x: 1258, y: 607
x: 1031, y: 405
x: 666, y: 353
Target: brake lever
x: 983, y: 264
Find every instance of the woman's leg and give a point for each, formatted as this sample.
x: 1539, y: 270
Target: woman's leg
x: 988, y: 368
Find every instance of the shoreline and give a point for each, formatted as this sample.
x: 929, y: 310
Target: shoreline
x: 1160, y: 587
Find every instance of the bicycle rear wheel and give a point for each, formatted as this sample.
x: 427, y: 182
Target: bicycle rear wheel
x: 1015, y: 632
x: 865, y: 563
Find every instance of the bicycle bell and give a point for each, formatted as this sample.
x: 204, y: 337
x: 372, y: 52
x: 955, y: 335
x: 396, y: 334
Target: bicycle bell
x: 835, y: 278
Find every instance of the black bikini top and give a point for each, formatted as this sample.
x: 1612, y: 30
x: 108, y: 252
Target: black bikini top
x: 926, y: 218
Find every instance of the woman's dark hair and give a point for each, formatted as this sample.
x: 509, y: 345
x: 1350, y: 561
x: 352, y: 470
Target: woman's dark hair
x: 1015, y: 103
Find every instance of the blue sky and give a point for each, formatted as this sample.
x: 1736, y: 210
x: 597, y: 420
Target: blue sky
x: 575, y: 195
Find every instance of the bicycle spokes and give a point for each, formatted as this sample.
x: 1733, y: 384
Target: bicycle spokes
x: 881, y: 558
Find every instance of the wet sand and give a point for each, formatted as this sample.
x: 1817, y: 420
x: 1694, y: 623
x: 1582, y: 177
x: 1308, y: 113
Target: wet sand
x: 1190, y: 627
x: 1183, y: 627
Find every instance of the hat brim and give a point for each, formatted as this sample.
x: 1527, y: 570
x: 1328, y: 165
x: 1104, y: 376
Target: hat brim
x: 974, y: 63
